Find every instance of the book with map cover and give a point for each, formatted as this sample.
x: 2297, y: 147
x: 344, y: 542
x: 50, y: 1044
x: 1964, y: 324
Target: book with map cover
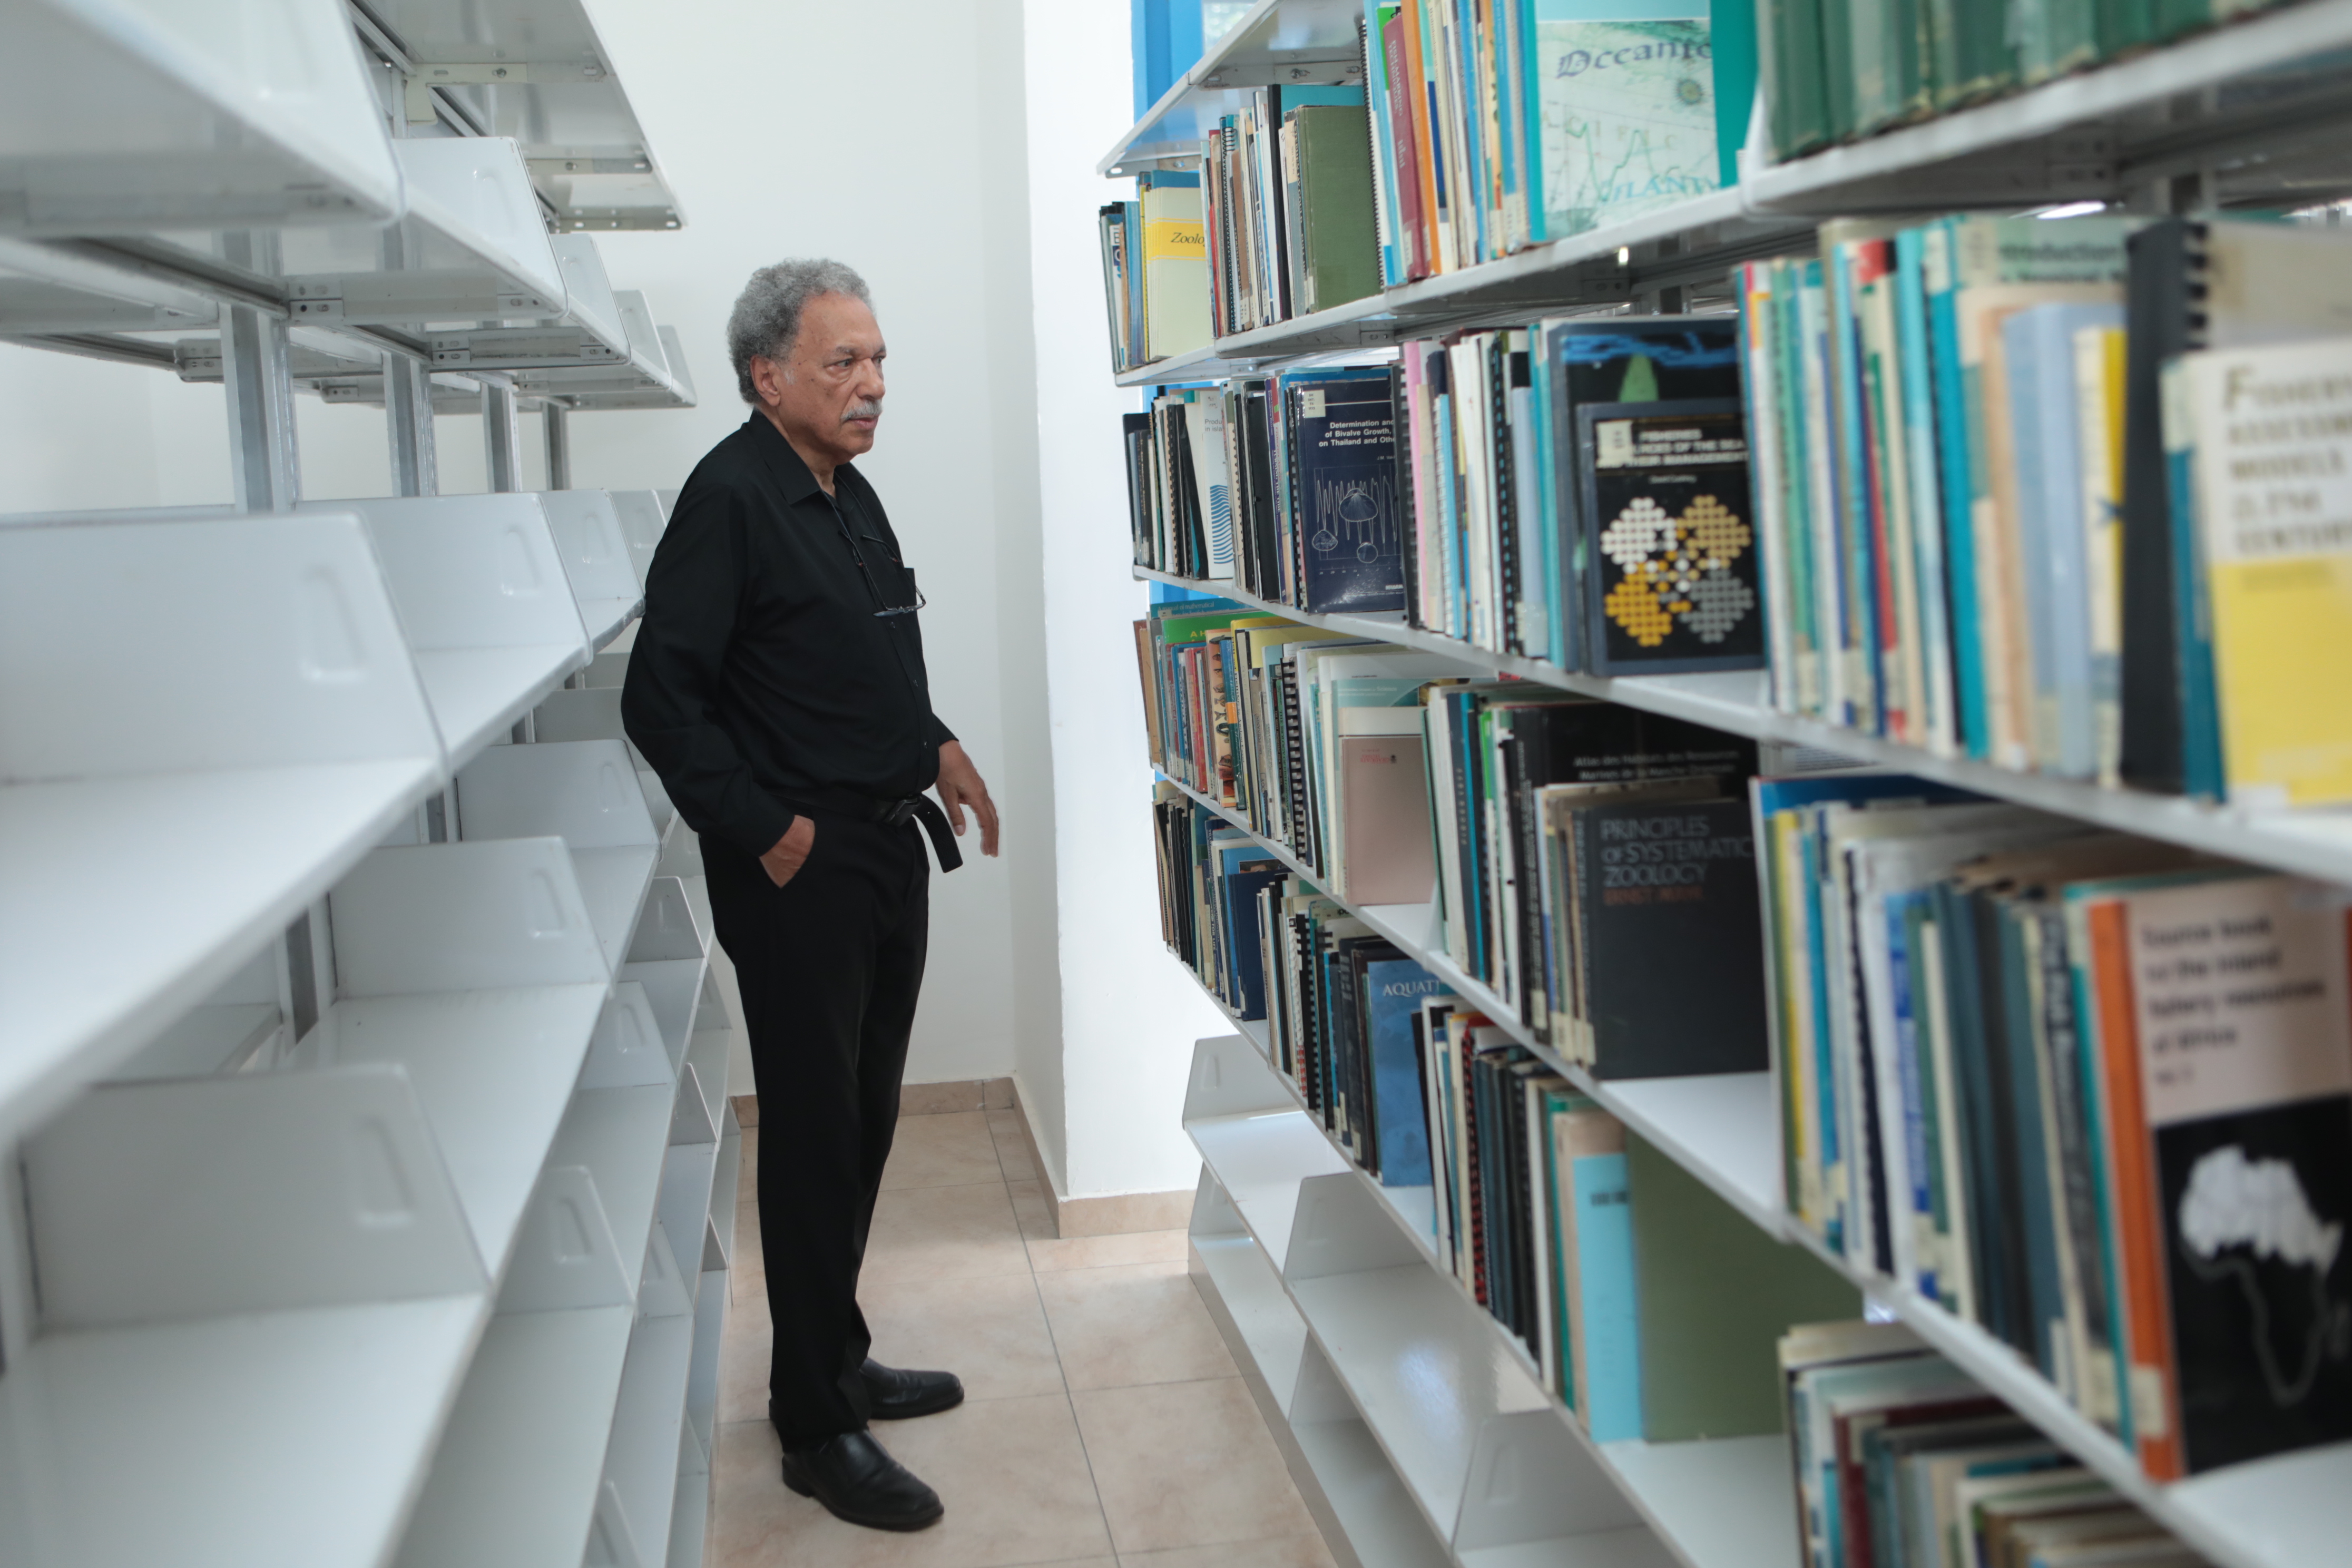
x: 1623, y: 110
x: 2240, y: 1006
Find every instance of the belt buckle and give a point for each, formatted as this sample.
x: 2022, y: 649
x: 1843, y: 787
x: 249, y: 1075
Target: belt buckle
x: 901, y: 812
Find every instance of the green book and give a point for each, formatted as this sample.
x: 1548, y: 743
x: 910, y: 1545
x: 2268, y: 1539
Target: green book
x: 1886, y: 42
x: 1337, y: 232
x: 1972, y: 53
x: 1840, y: 93
x: 1796, y: 105
x: 1717, y: 1293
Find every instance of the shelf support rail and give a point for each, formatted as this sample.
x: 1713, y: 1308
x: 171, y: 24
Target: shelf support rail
x: 264, y: 462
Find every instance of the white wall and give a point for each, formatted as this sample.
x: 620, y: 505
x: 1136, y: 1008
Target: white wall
x: 1131, y: 1012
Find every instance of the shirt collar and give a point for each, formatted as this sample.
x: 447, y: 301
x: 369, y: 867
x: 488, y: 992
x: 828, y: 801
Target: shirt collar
x: 791, y: 472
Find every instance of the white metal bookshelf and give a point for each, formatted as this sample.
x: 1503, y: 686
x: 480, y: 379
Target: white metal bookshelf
x: 2249, y: 112
x: 1725, y: 1130
x: 362, y: 1069
x: 2272, y: 84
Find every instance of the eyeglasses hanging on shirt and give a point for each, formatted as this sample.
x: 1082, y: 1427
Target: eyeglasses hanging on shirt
x: 858, y: 555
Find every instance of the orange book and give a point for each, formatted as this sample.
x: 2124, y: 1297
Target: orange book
x: 2153, y: 1393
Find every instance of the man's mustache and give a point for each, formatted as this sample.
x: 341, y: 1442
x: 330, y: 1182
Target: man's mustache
x: 869, y: 409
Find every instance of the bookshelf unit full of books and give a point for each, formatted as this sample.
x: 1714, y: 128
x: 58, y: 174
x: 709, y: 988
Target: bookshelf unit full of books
x: 1759, y: 1027
x: 361, y: 1077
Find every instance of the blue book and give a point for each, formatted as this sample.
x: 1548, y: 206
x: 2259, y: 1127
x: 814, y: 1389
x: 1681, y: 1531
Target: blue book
x: 1247, y: 869
x: 1907, y: 1000
x: 1610, y: 1393
x: 1393, y: 988
x: 2038, y: 345
x: 1342, y: 441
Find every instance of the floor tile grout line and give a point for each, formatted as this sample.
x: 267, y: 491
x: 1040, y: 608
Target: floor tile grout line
x: 1068, y: 1398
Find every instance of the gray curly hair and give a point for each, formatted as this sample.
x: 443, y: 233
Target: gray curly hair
x: 767, y: 315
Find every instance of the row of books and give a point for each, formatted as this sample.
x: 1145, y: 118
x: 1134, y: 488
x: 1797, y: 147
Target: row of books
x: 1575, y: 491
x: 1539, y: 1199
x: 1593, y: 862
x: 1284, y: 484
x: 1155, y: 268
x: 1498, y: 127
x: 2091, y: 1092
x: 1989, y: 530
x: 1311, y: 738
x: 1833, y: 70
x: 1288, y: 205
x: 1904, y: 1461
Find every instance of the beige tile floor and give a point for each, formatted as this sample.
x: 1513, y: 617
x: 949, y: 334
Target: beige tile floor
x: 1104, y: 1423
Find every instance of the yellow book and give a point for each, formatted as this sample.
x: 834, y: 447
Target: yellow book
x: 2273, y: 430
x: 2099, y: 403
x: 1175, y: 271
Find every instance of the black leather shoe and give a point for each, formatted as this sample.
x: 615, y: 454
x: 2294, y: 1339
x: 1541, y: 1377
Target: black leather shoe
x: 857, y: 1479
x: 896, y: 1395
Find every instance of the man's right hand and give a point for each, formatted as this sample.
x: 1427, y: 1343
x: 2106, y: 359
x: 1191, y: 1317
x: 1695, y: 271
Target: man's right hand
x: 784, y: 862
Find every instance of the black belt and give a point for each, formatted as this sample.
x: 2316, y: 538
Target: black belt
x: 887, y: 811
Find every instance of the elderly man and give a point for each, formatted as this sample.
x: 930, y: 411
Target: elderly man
x: 778, y: 688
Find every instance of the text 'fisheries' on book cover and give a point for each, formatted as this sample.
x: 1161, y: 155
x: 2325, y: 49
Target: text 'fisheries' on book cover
x: 1628, y: 110
x: 1677, y: 584
x: 1345, y: 449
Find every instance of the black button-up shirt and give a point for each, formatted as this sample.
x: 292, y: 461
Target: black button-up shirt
x: 762, y: 680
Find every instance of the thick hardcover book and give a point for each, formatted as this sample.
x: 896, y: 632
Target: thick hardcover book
x: 1175, y: 265
x: 1674, y: 582
x: 1675, y: 961
x: 1341, y: 436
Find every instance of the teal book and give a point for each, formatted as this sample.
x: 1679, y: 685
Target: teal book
x: 1608, y: 1296
x: 2201, y: 714
x: 1919, y: 434
x: 1790, y: 62
x: 1384, y: 154
x: 1731, y: 40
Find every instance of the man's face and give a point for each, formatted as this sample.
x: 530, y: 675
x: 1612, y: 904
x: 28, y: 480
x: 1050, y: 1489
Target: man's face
x: 827, y: 396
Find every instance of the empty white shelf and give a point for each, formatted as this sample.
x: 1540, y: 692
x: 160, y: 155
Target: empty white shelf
x: 495, y: 1071
x: 1374, y: 1507
x: 614, y: 881
x: 289, y: 1440
x: 1259, y: 1158
x: 514, y: 1481
x: 487, y: 609
x: 135, y: 116
x: 470, y: 245
x: 285, y: 735
x: 1423, y: 1372
x: 620, y: 1136
x: 1271, y: 1328
x: 561, y: 96
x: 1729, y: 1499
x: 642, y: 1461
x: 597, y: 559
x: 690, y: 1521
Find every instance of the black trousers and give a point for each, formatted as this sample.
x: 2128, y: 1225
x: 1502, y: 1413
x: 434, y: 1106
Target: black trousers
x: 829, y: 966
